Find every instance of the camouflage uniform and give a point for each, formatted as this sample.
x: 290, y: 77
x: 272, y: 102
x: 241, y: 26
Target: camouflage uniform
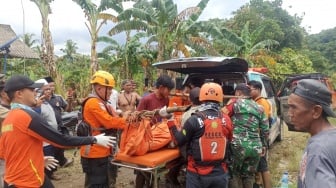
x: 249, y: 135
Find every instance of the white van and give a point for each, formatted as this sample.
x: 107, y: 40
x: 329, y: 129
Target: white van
x: 228, y: 72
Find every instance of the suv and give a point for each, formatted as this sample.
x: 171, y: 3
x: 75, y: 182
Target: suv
x: 290, y: 82
x: 228, y: 72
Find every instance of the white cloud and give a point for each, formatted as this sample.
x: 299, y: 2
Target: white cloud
x: 68, y: 22
x: 319, y: 15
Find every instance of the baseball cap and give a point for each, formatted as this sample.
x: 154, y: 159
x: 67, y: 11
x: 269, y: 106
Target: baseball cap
x: 42, y: 81
x: 314, y: 90
x: 18, y: 82
x: 194, y: 95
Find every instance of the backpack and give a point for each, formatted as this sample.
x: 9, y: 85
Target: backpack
x: 83, y: 128
x: 213, y: 143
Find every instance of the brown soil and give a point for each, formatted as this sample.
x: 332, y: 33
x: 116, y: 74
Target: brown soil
x: 73, y: 177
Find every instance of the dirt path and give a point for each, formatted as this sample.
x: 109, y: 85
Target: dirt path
x: 72, y: 177
x: 283, y: 156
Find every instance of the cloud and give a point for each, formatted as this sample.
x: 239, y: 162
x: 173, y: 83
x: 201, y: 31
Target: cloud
x: 318, y: 15
x: 67, y: 20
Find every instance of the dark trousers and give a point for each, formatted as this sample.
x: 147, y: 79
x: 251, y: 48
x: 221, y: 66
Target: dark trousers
x: 220, y: 180
x: 99, y: 173
x: 46, y: 184
x: 59, y: 155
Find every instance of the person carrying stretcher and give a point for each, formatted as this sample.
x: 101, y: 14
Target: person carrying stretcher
x: 206, y: 134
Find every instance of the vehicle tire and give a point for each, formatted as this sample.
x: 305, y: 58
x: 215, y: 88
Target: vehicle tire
x: 281, y: 131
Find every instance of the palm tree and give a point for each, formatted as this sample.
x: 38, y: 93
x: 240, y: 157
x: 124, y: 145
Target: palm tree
x: 93, y: 14
x: 47, y: 46
x: 70, y: 50
x: 126, y: 56
x: 161, y: 21
x: 29, y: 40
x: 245, y: 46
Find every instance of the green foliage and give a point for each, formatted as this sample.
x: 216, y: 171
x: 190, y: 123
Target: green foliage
x: 290, y: 62
x: 325, y: 44
x: 261, y: 32
x: 279, y: 25
x: 77, y: 73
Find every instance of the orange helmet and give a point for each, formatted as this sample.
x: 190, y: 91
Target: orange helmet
x: 211, y: 92
x: 103, y: 78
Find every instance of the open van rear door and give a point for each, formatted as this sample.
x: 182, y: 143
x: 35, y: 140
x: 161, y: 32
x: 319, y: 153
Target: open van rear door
x: 284, y: 112
x: 204, y: 65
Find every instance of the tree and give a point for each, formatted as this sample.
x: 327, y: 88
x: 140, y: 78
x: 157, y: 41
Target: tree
x: 69, y: 50
x: 28, y: 39
x: 127, y: 56
x: 47, y: 46
x: 93, y: 14
x: 162, y: 23
x: 279, y: 25
x: 325, y: 44
x: 246, y: 45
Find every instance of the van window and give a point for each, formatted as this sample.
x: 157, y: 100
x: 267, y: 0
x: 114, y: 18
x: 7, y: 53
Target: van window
x: 268, y: 88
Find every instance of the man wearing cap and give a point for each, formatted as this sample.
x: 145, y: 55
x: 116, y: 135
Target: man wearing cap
x: 23, y: 132
x: 309, y: 109
x: 248, y: 119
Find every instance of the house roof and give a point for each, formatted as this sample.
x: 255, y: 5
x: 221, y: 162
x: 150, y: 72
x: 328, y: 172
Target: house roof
x: 18, y: 49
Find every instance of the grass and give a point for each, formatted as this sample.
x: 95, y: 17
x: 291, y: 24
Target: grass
x: 286, y: 156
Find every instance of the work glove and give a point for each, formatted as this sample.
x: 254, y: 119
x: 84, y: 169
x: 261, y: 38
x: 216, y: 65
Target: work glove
x: 163, y: 113
x: 106, y: 141
x: 50, y: 162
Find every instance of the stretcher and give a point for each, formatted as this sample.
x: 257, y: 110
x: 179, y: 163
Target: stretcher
x: 152, y: 162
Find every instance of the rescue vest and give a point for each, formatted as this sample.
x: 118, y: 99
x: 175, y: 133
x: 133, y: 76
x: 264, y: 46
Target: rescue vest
x: 212, y: 144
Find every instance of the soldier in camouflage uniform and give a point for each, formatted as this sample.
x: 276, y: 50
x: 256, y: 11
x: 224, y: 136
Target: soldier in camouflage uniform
x: 249, y: 136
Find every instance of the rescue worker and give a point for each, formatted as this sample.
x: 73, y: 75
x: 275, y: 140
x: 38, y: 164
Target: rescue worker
x: 95, y: 159
x: 4, y: 109
x: 263, y: 175
x: 248, y: 144
x: 206, y: 134
x: 23, y: 132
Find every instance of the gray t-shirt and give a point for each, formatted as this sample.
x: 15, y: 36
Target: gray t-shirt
x: 318, y: 163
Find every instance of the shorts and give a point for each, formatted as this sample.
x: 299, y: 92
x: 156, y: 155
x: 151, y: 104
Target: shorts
x: 262, y: 166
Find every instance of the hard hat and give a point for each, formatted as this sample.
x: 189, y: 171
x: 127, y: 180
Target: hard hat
x: 103, y: 78
x: 211, y: 92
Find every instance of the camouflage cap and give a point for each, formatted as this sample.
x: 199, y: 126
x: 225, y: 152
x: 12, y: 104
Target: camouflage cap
x: 316, y: 91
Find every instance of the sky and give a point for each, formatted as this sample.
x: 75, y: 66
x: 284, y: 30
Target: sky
x: 67, y: 20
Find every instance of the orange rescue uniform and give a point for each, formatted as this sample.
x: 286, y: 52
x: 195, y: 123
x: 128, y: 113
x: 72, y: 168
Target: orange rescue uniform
x: 97, y: 116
